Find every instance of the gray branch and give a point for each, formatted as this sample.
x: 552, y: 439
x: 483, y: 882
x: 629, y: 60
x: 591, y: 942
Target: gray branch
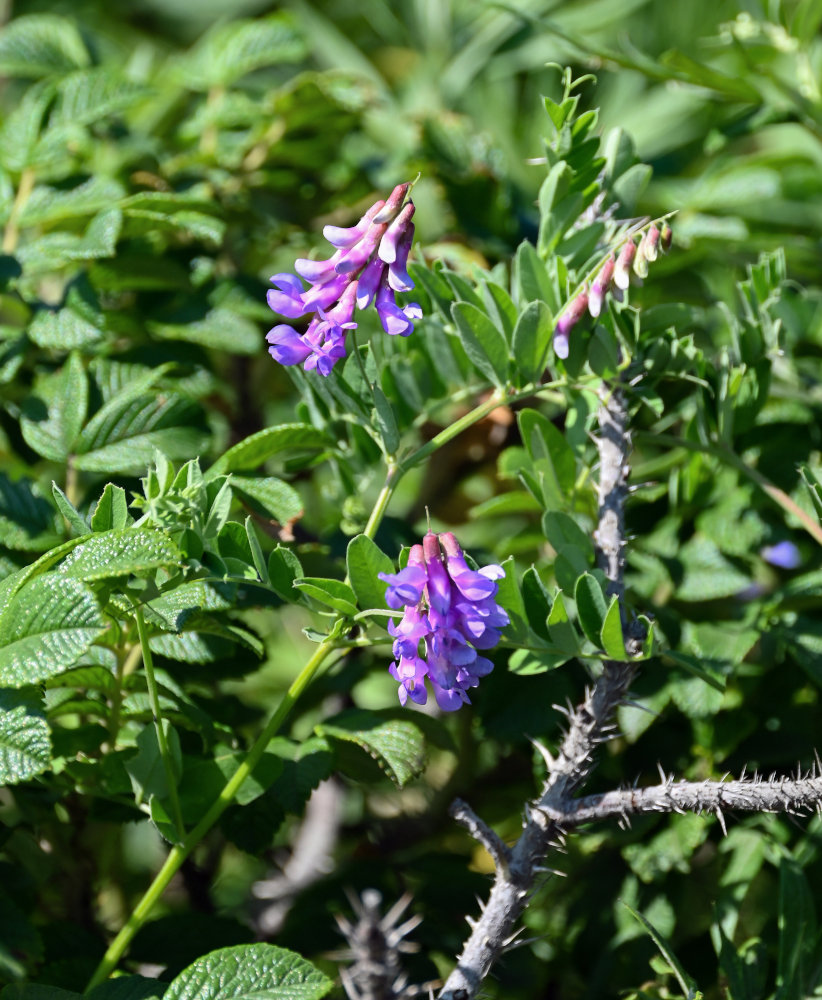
x: 588, y: 725
x: 799, y: 796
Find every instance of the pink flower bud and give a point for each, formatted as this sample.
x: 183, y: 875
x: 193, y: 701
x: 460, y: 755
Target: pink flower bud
x: 666, y: 237
x: 600, y: 286
x: 622, y: 271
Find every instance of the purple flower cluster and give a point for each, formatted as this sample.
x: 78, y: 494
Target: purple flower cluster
x: 368, y: 265
x: 450, y: 608
x: 614, y: 276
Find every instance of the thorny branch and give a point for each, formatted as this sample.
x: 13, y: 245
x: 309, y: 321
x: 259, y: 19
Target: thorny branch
x: 556, y: 810
x: 587, y: 726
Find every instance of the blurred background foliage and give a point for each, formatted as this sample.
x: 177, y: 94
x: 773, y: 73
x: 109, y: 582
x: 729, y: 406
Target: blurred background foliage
x: 174, y: 155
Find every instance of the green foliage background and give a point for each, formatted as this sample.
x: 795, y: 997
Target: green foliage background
x: 158, y: 161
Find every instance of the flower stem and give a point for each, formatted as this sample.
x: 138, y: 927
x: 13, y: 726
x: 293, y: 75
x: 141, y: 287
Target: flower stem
x: 178, y: 854
x: 162, y: 738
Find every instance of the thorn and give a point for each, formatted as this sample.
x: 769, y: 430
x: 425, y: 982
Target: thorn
x: 661, y: 773
x: 721, y: 819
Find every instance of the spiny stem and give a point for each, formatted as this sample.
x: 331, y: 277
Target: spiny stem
x: 162, y: 738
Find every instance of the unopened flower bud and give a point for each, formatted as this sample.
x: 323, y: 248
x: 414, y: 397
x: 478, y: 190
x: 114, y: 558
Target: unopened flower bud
x: 569, y: 319
x: 391, y: 208
x: 649, y: 245
x: 600, y: 286
x: 666, y: 237
x: 622, y: 270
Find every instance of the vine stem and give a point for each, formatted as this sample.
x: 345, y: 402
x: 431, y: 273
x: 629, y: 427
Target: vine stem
x: 179, y: 852
x: 159, y: 728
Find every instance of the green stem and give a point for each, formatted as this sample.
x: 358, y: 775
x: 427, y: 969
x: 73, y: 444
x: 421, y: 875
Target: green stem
x: 162, y: 740
x: 126, y: 662
x: 12, y: 231
x: 725, y: 454
x: 178, y: 854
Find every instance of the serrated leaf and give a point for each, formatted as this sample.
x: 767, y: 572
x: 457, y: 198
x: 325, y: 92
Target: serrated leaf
x: 484, y: 344
x: 333, y: 593
x: 397, y: 745
x: 55, y: 250
x: 532, y: 340
x: 124, y: 435
x: 111, y: 511
x: 271, y: 497
x: 613, y: 641
x: 27, y: 521
x: 591, y: 607
x: 89, y: 95
x: 256, y: 449
x: 230, y: 51
x: 48, y: 205
x: 41, y: 44
x: 63, y: 330
x: 219, y: 329
x: 46, y: 627
x: 53, y: 416
x: 25, y: 741
x: 364, y: 560
x: 249, y: 972
x: 120, y: 553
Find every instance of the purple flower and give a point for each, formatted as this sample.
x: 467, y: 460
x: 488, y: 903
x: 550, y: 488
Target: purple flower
x: 369, y: 263
x: 450, y: 609
x: 785, y: 555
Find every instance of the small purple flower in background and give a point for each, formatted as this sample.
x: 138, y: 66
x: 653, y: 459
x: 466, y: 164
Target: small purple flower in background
x: 785, y: 555
x: 368, y: 265
x: 450, y: 608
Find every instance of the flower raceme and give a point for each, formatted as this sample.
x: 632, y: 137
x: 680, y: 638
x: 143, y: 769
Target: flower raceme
x: 614, y: 276
x: 368, y: 265
x: 450, y: 610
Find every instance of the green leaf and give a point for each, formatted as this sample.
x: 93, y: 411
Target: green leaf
x: 128, y: 988
x: 25, y: 741
x: 385, y: 421
x: 562, y: 633
x: 125, y: 433
x: 249, y: 972
x: 532, y: 340
x: 146, y: 768
x: 230, y: 51
x: 77, y: 524
x: 251, y: 452
x: 333, y: 593
x: 686, y: 983
x: 612, y: 638
x: 510, y: 598
x: 484, y: 344
x: 283, y: 569
x: 49, y: 205
x: 120, y: 553
x: 27, y: 521
x: 364, y: 559
x: 796, y: 966
x: 562, y: 530
x: 220, y: 329
x: 53, y: 416
x: 531, y: 279
x: 63, y: 330
x: 45, y: 628
x: 397, y: 745
x: 553, y: 458
x: 256, y: 550
x: 87, y: 96
x: 271, y: 497
x: 41, y: 44
x: 56, y: 250
x: 111, y: 511
x: 591, y: 607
